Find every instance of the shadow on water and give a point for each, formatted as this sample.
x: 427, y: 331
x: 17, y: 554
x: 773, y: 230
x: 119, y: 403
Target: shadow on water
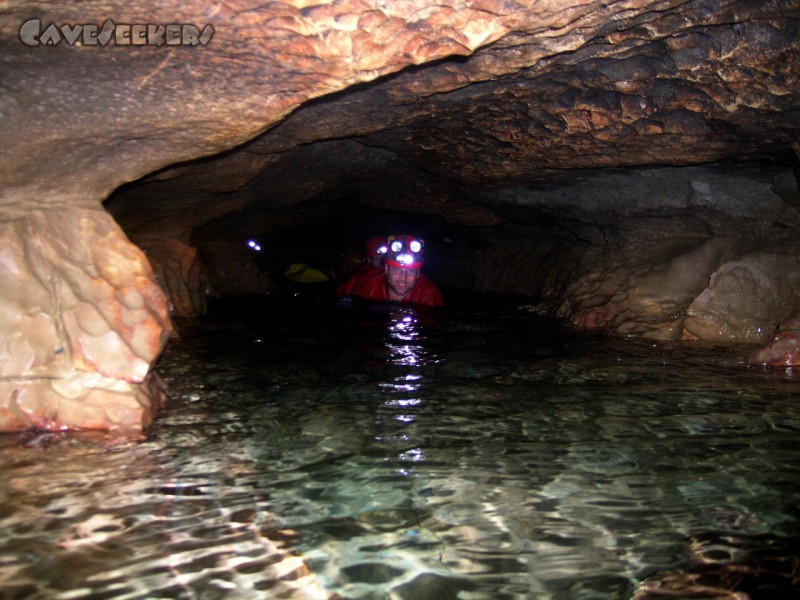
x: 477, y: 451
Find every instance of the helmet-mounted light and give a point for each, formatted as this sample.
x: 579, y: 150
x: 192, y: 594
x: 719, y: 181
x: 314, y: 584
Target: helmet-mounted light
x: 405, y: 252
x: 376, y: 246
x: 406, y: 259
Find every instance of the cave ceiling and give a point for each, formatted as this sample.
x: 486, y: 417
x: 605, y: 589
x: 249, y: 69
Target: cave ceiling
x: 656, y: 84
x: 422, y: 106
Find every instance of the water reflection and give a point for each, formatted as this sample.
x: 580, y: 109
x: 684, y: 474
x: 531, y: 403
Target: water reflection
x: 405, y: 342
x: 404, y: 384
x: 405, y: 347
x: 486, y: 455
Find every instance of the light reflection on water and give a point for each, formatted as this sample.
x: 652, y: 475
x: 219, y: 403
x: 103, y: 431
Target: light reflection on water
x: 390, y: 454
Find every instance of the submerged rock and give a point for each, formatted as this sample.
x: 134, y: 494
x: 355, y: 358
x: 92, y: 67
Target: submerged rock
x: 783, y: 350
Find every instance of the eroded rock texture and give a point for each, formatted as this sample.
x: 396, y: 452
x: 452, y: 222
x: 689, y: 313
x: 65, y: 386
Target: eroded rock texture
x: 784, y: 347
x: 629, y: 165
x: 83, y: 320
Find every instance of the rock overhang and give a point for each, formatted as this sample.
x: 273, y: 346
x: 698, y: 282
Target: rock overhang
x: 534, y: 108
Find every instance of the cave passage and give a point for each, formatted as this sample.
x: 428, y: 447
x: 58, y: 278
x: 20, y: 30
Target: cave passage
x: 606, y: 407
x: 476, y: 451
x: 631, y: 166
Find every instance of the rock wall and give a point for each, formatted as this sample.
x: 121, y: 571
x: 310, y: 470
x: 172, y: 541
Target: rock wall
x: 747, y: 298
x: 783, y: 349
x: 694, y: 254
x: 181, y: 275
x: 83, y: 320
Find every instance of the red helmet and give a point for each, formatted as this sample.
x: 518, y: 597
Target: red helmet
x: 376, y: 246
x: 405, y: 252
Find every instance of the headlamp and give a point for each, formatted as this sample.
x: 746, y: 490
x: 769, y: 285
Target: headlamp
x: 405, y: 252
x: 406, y: 259
x: 376, y: 246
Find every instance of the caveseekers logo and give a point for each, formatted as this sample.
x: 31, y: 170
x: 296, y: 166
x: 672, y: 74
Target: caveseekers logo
x: 32, y: 34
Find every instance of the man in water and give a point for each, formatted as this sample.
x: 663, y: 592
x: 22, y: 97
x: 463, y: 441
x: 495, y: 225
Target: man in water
x: 375, y: 248
x: 400, y: 279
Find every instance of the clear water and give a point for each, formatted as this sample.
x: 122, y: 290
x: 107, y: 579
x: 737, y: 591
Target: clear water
x: 477, y: 452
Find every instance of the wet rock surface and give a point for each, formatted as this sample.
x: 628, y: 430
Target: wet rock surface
x: 723, y: 569
x: 84, y: 319
x: 783, y: 350
x: 673, y: 264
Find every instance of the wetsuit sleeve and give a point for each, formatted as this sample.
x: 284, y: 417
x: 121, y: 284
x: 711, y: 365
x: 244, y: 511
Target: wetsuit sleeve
x: 426, y: 292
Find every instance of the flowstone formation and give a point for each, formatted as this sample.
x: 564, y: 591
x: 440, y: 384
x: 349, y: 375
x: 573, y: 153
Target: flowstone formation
x: 548, y: 144
x: 83, y: 319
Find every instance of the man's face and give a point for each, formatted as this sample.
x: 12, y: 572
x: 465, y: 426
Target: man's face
x: 400, y: 281
x: 375, y: 260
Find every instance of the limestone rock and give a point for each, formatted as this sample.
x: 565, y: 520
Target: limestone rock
x: 180, y: 274
x: 747, y: 298
x: 783, y: 350
x: 666, y: 273
x: 86, y: 321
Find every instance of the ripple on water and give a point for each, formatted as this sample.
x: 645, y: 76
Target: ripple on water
x: 383, y: 455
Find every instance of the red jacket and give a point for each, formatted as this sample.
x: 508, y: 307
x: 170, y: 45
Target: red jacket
x: 372, y: 286
x: 349, y: 286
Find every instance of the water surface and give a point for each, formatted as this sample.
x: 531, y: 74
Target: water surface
x: 474, y: 452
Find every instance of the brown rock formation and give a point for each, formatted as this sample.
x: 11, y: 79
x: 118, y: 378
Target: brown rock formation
x: 783, y: 350
x: 83, y: 320
x: 544, y: 147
